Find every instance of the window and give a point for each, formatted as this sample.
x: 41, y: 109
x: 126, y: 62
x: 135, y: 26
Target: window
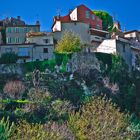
x: 98, y: 26
x: 13, y: 30
x: 17, y: 40
x: 9, y: 30
x: 34, y: 29
x: 25, y: 30
x: 93, y: 17
x: 23, y: 52
x: 13, y: 40
x: 8, y: 40
x: 87, y: 14
x: 97, y: 38
x: 17, y: 30
x: 45, y: 50
x: 123, y: 47
x: 47, y: 41
x: 24, y: 60
x: 75, y: 23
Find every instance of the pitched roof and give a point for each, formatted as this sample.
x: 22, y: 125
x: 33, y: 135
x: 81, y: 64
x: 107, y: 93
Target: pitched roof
x: 36, y: 34
x: 65, y: 19
x: 131, y: 31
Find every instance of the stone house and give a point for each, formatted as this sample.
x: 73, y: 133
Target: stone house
x: 83, y: 22
x: 16, y: 29
x: 38, y: 47
x: 44, y: 45
x: 24, y: 51
x: 133, y: 35
x: 118, y: 46
x: 26, y: 41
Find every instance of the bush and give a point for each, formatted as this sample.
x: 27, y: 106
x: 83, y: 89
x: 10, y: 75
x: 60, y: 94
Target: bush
x: 106, y: 60
x: 100, y: 119
x: 40, y: 65
x: 26, y: 131
x: 6, y: 130
x: 8, y: 58
x: 69, y: 43
x: 14, y: 89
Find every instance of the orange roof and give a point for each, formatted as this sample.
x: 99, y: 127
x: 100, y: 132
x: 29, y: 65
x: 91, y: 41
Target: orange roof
x: 33, y: 34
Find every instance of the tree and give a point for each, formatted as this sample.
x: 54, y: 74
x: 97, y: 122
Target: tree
x: 8, y: 58
x: 100, y: 119
x: 106, y: 18
x: 69, y: 43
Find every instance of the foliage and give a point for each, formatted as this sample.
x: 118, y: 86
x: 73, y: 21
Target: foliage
x: 69, y: 90
x: 6, y: 129
x: 106, y: 18
x: 26, y: 131
x: 8, y: 58
x: 106, y: 60
x: 99, y: 119
x: 62, y: 58
x: 14, y: 89
x: 40, y: 65
x: 42, y: 107
x: 69, y: 43
x: 3, y: 33
x: 119, y: 71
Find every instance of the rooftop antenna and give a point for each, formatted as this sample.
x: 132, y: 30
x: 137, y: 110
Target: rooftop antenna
x: 37, y: 16
x: 58, y: 12
x: 114, y: 17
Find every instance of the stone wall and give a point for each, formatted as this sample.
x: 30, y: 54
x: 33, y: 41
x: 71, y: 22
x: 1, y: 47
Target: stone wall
x: 11, y: 69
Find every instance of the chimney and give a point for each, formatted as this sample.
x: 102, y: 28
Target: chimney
x: 37, y: 22
x: 117, y: 26
x: 124, y: 29
x: 18, y: 17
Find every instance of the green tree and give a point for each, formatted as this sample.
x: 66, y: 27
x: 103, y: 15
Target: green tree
x: 8, y: 58
x: 69, y: 43
x: 3, y: 33
x: 100, y: 119
x: 106, y: 18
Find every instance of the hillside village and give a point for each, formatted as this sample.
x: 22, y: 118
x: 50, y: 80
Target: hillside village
x: 78, y: 82
x: 33, y: 45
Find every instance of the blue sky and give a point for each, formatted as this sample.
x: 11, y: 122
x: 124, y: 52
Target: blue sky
x: 126, y: 11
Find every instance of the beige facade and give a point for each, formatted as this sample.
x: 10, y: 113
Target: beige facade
x: 78, y: 28
x: 28, y: 52
x: 17, y: 34
x: 24, y: 51
x: 44, y: 45
x: 133, y: 35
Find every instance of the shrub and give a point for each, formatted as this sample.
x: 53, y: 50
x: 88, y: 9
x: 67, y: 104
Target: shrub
x: 26, y: 131
x: 14, y: 89
x: 8, y: 58
x: 40, y: 65
x: 6, y: 130
x: 69, y: 43
x: 100, y: 119
x: 43, y: 108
